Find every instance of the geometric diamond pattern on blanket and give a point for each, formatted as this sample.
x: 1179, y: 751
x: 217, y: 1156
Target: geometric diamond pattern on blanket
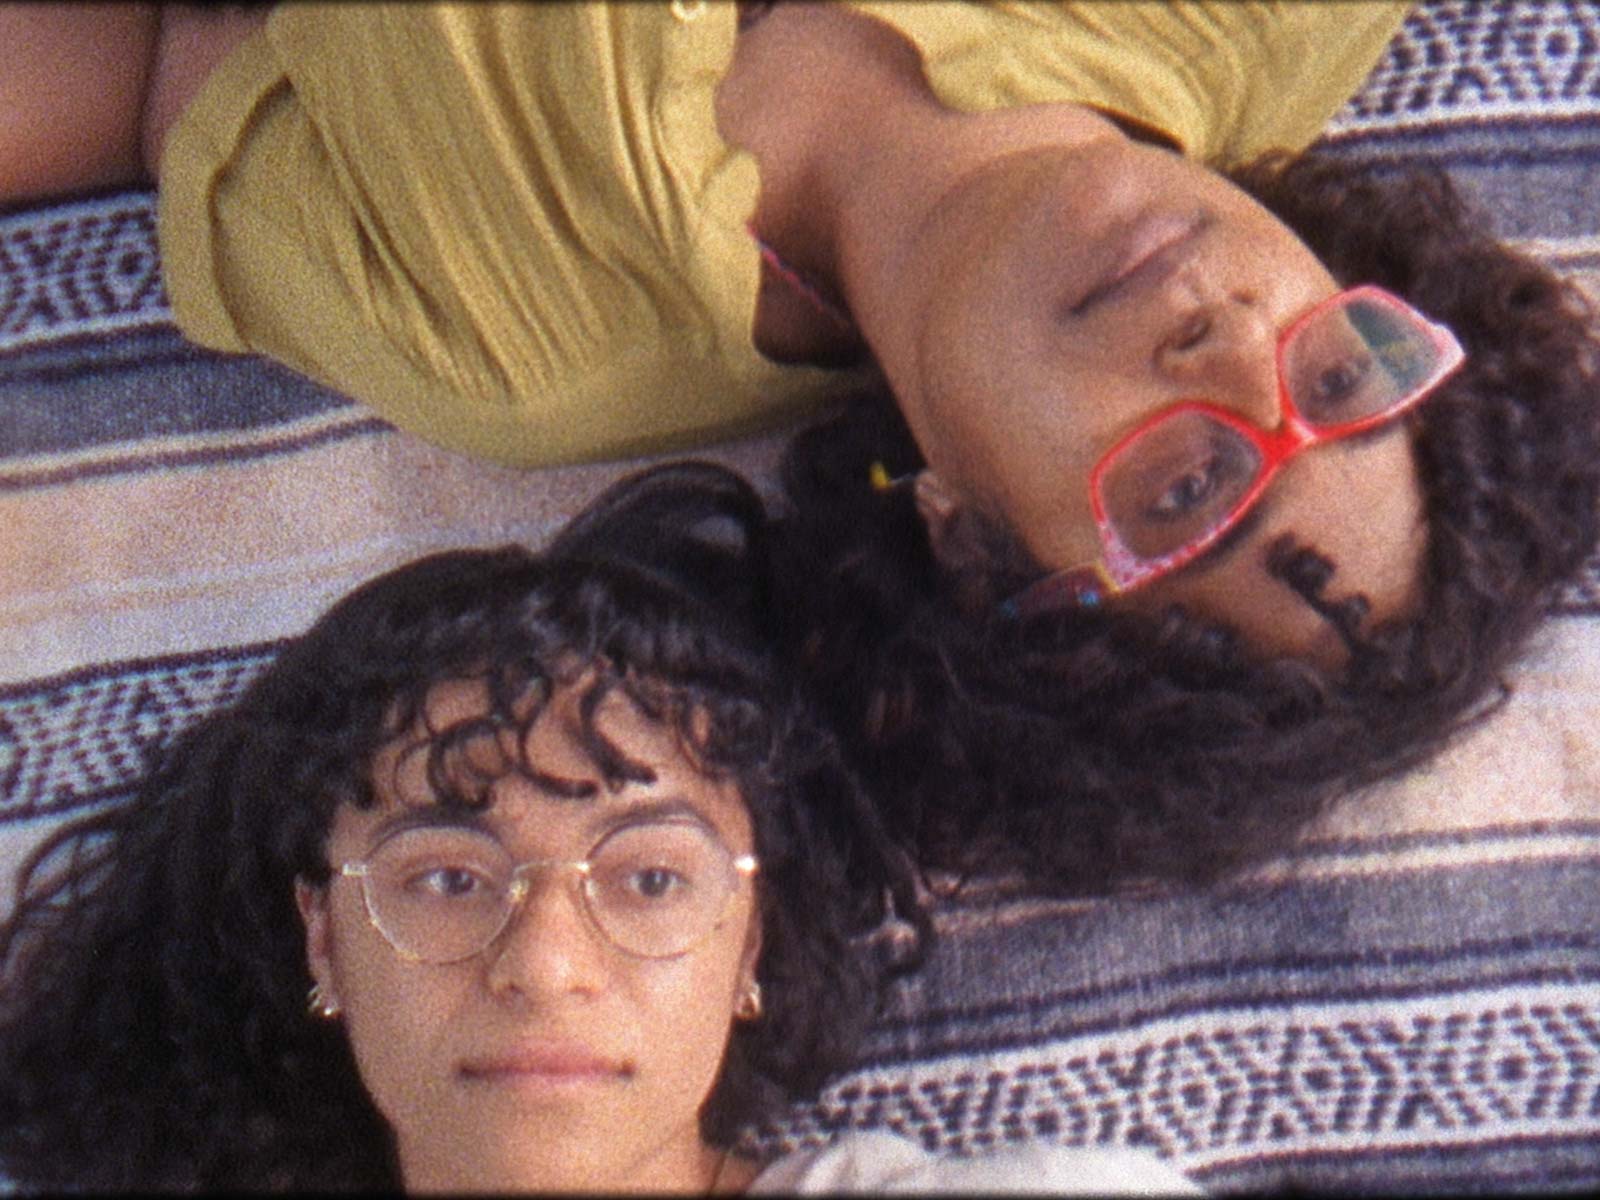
x: 92, y: 268
x: 1207, y: 1089
x: 82, y: 738
x: 1463, y: 59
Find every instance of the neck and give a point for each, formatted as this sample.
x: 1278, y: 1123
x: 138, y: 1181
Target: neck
x: 857, y: 157
x: 688, y: 1168
x: 832, y: 105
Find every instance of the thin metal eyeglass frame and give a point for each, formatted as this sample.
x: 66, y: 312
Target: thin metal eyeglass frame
x: 744, y: 867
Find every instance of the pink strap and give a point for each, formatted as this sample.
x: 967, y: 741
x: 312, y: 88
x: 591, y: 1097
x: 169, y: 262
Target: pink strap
x: 800, y: 283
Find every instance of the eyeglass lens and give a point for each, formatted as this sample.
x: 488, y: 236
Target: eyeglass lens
x: 1183, y: 477
x: 653, y: 889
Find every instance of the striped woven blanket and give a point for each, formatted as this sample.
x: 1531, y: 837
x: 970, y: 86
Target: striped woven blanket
x: 1408, y: 1003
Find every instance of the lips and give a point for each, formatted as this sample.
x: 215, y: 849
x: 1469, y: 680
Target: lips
x: 548, y: 1064
x: 1151, y: 250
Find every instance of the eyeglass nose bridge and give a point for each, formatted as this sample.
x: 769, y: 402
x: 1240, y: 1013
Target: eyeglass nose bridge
x: 1276, y: 445
x: 521, y: 887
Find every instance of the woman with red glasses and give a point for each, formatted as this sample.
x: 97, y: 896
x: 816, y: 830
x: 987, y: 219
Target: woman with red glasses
x: 550, y: 233
x: 1185, y: 478
x: 1267, y: 561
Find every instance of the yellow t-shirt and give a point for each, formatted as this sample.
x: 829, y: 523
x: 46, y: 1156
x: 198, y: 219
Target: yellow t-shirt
x: 515, y: 231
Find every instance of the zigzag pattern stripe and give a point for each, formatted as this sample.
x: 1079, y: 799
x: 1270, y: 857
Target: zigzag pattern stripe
x: 85, y: 738
x: 1468, y: 61
x: 1211, y: 1087
x: 91, y: 269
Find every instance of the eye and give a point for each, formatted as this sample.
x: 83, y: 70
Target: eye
x: 1192, y: 490
x: 447, y: 883
x: 656, y: 883
x: 1337, y: 382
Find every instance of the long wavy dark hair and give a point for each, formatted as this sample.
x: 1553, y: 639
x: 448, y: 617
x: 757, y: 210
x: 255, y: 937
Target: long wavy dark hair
x: 1095, y: 749
x: 153, y: 978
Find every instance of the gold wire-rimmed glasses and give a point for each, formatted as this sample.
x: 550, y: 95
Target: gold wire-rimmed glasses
x: 443, y: 893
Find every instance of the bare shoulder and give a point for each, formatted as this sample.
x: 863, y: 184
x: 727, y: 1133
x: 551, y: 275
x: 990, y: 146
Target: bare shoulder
x: 72, y: 84
x: 193, y: 40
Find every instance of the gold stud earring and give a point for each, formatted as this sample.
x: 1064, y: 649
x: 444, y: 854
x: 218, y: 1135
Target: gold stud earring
x: 749, y: 1008
x: 318, y: 1004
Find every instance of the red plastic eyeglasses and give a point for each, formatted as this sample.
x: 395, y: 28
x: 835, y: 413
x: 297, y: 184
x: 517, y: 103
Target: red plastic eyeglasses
x: 1172, y: 487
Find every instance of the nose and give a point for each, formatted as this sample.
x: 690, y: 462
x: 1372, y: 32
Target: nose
x: 549, y: 947
x: 1225, y: 350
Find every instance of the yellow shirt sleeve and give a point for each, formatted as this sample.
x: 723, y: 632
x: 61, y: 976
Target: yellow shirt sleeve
x: 515, y: 231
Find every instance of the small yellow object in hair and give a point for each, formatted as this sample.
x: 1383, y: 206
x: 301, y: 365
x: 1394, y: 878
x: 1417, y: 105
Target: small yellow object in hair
x: 878, y: 476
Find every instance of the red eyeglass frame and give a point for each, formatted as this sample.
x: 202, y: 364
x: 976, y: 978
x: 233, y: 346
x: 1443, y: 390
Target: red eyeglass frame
x: 1120, y: 569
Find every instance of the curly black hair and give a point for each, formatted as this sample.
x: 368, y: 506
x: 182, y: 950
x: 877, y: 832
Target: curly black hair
x: 1098, y: 749
x: 153, y: 977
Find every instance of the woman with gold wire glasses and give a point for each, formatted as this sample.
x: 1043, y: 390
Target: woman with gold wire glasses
x: 576, y: 885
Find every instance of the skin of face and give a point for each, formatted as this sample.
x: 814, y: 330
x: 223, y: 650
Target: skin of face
x: 617, y: 1053
x: 1068, y: 292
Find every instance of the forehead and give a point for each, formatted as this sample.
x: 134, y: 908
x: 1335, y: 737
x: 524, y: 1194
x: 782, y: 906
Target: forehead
x: 569, y: 799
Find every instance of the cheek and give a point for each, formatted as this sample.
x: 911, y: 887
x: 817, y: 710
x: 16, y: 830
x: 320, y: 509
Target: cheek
x: 1040, y: 484
x: 1004, y: 437
x: 688, y: 1014
x: 394, y: 1015
x: 692, y: 1042
x: 981, y: 373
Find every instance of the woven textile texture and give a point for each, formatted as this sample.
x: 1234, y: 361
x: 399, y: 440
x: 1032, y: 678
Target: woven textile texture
x: 1410, y: 1003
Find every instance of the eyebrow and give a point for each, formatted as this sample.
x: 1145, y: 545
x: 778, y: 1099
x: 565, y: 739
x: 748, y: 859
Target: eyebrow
x: 428, y: 816
x: 437, y: 816
x: 662, y: 809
